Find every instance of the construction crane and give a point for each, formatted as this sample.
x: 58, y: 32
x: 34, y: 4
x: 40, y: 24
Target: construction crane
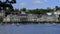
x: 4, y: 4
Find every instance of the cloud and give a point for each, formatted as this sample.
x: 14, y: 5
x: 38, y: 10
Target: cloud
x: 22, y: 4
x: 46, y: 0
x: 37, y: 2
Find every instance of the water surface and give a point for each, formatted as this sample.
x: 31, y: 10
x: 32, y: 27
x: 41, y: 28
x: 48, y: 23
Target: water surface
x: 30, y: 29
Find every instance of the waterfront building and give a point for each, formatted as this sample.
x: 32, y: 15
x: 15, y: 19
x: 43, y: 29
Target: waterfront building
x: 48, y: 18
x: 15, y: 18
x: 2, y: 13
x: 57, y: 13
x: 32, y: 17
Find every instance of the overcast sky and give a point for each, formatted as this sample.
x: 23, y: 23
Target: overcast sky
x: 33, y: 4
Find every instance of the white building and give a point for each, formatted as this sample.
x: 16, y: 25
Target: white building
x: 15, y: 18
x: 57, y: 13
x: 49, y: 13
x: 11, y: 18
x: 32, y: 17
x: 22, y: 12
x: 47, y: 18
x: 6, y: 19
x: 23, y: 17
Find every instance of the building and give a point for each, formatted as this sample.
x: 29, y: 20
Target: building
x: 23, y: 17
x: 32, y: 17
x: 11, y: 18
x: 57, y: 13
x: 47, y: 18
x: 15, y: 18
x: 2, y: 13
x: 6, y: 19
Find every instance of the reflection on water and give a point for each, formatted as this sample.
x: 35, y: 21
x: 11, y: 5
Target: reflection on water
x: 30, y: 29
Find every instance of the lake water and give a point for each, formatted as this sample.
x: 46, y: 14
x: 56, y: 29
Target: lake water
x: 30, y: 29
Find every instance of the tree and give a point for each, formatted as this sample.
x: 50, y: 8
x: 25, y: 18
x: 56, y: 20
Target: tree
x: 57, y: 8
x: 23, y: 9
x: 16, y: 10
x: 49, y: 9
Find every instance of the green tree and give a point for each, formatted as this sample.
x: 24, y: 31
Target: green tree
x: 57, y: 8
x: 23, y: 9
x: 49, y: 9
x: 16, y: 10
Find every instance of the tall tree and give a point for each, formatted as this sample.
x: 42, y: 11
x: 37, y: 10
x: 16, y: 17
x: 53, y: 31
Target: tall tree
x: 49, y: 9
x: 57, y: 8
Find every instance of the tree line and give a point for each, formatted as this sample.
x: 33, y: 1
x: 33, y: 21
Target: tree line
x: 36, y: 11
x: 40, y: 11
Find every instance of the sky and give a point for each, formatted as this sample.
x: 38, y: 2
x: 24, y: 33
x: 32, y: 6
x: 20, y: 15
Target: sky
x: 33, y: 4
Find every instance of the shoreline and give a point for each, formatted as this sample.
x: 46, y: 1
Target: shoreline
x: 29, y: 22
